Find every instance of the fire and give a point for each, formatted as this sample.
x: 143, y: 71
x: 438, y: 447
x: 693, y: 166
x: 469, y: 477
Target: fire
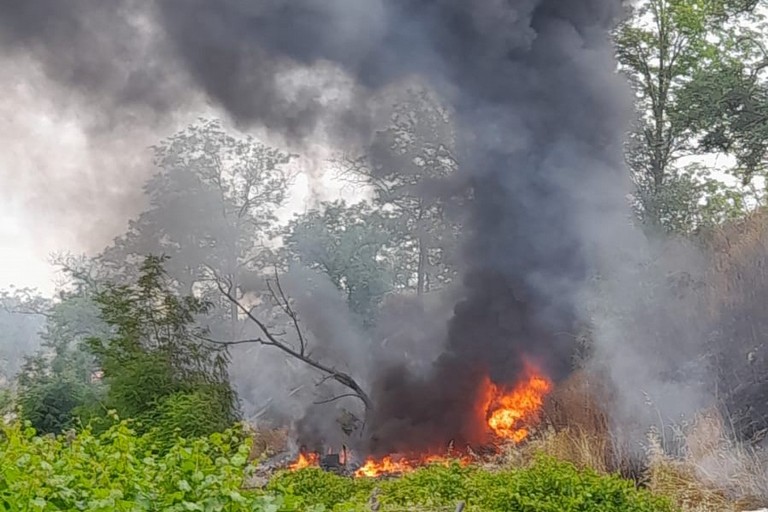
x: 304, y: 461
x: 509, y: 413
x: 389, y: 465
x: 505, y: 413
x: 383, y: 466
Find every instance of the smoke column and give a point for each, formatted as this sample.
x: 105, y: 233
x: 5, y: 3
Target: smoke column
x: 541, y: 115
x: 540, y: 111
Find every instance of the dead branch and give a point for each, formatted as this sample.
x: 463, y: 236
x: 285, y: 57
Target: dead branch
x: 282, y: 301
x: 339, y: 397
x: 301, y: 354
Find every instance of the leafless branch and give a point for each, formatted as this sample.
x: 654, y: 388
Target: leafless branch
x: 323, y: 380
x: 345, y: 395
x: 28, y: 312
x: 285, y: 305
x: 269, y: 339
x: 233, y: 343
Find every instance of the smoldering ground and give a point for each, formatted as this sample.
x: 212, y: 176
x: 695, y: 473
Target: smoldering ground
x: 540, y: 115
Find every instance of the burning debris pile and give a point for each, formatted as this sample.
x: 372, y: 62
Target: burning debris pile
x: 506, y: 415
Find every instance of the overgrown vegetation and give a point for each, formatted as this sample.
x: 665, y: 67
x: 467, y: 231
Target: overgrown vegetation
x: 122, y: 471
x: 152, y: 365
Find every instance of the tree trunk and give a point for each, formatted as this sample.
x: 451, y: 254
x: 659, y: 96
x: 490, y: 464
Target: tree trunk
x: 421, y: 272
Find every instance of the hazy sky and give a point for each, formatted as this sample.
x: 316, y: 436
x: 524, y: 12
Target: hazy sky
x: 66, y: 188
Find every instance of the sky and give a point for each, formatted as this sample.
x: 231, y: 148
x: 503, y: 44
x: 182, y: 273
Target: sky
x: 65, y: 189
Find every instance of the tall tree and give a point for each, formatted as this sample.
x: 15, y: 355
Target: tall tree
x: 211, y: 206
x: 352, y: 245
x: 726, y: 103
x: 403, y: 166
x: 21, y: 319
x: 58, y: 381
x: 156, y: 362
x: 661, y: 47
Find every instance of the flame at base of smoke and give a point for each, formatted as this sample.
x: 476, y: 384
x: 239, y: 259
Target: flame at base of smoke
x: 505, y: 414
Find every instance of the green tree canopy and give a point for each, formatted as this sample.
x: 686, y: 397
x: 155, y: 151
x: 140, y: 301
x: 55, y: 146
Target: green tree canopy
x: 352, y: 245
x: 156, y: 361
x: 665, y: 47
x: 211, y: 208
x: 403, y: 166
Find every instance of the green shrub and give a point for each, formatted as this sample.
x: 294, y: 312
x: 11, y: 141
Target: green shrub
x: 315, y: 486
x: 191, y: 414
x: 119, y: 470
x: 435, y: 485
x: 553, y: 486
x: 545, y: 486
x: 51, y: 405
x: 157, y: 366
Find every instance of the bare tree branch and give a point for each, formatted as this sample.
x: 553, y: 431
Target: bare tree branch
x: 282, y: 300
x: 269, y: 339
x: 345, y: 395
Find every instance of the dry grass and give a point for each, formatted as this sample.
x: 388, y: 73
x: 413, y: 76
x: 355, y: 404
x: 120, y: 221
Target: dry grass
x: 579, y: 447
x: 719, y: 463
x: 267, y: 442
x: 576, y: 427
x: 679, y: 480
x: 712, y: 474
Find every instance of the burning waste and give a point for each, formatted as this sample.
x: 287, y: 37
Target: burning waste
x: 505, y: 414
x: 511, y: 413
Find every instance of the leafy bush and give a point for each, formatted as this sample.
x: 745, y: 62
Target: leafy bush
x: 313, y: 485
x: 549, y: 485
x: 191, y: 414
x: 122, y: 471
x: 545, y: 486
x: 157, y: 365
x: 117, y: 470
x: 51, y: 404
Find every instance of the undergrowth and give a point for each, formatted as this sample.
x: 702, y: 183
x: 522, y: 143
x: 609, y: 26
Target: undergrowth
x: 546, y: 485
x: 559, y: 471
x: 118, y: 470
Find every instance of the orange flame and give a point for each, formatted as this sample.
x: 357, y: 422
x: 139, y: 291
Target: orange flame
x: 506, y: 413
x: 389, y: 465
x: 304, y: 461
x: 509, y: 413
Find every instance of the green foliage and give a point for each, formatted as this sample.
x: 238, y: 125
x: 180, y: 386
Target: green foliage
x: 412, y: 153
x: 212, y: 206
x: 192, y: 414
x: 552, y: 486
x: 313, y: 485
x: 691, y: 200
x: 683, y: 58
x: 51, y: 406
x: 122, y: 471
x: 437, y: 485
x: 118, y: 471
x: 156, y: 364
x: 727, y: 104
x: 55, y: 384
x: 547, y: 485
x: 20, y: 323
x: 351, y: 245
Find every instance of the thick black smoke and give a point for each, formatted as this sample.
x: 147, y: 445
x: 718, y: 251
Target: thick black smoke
x: 540, y: 115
